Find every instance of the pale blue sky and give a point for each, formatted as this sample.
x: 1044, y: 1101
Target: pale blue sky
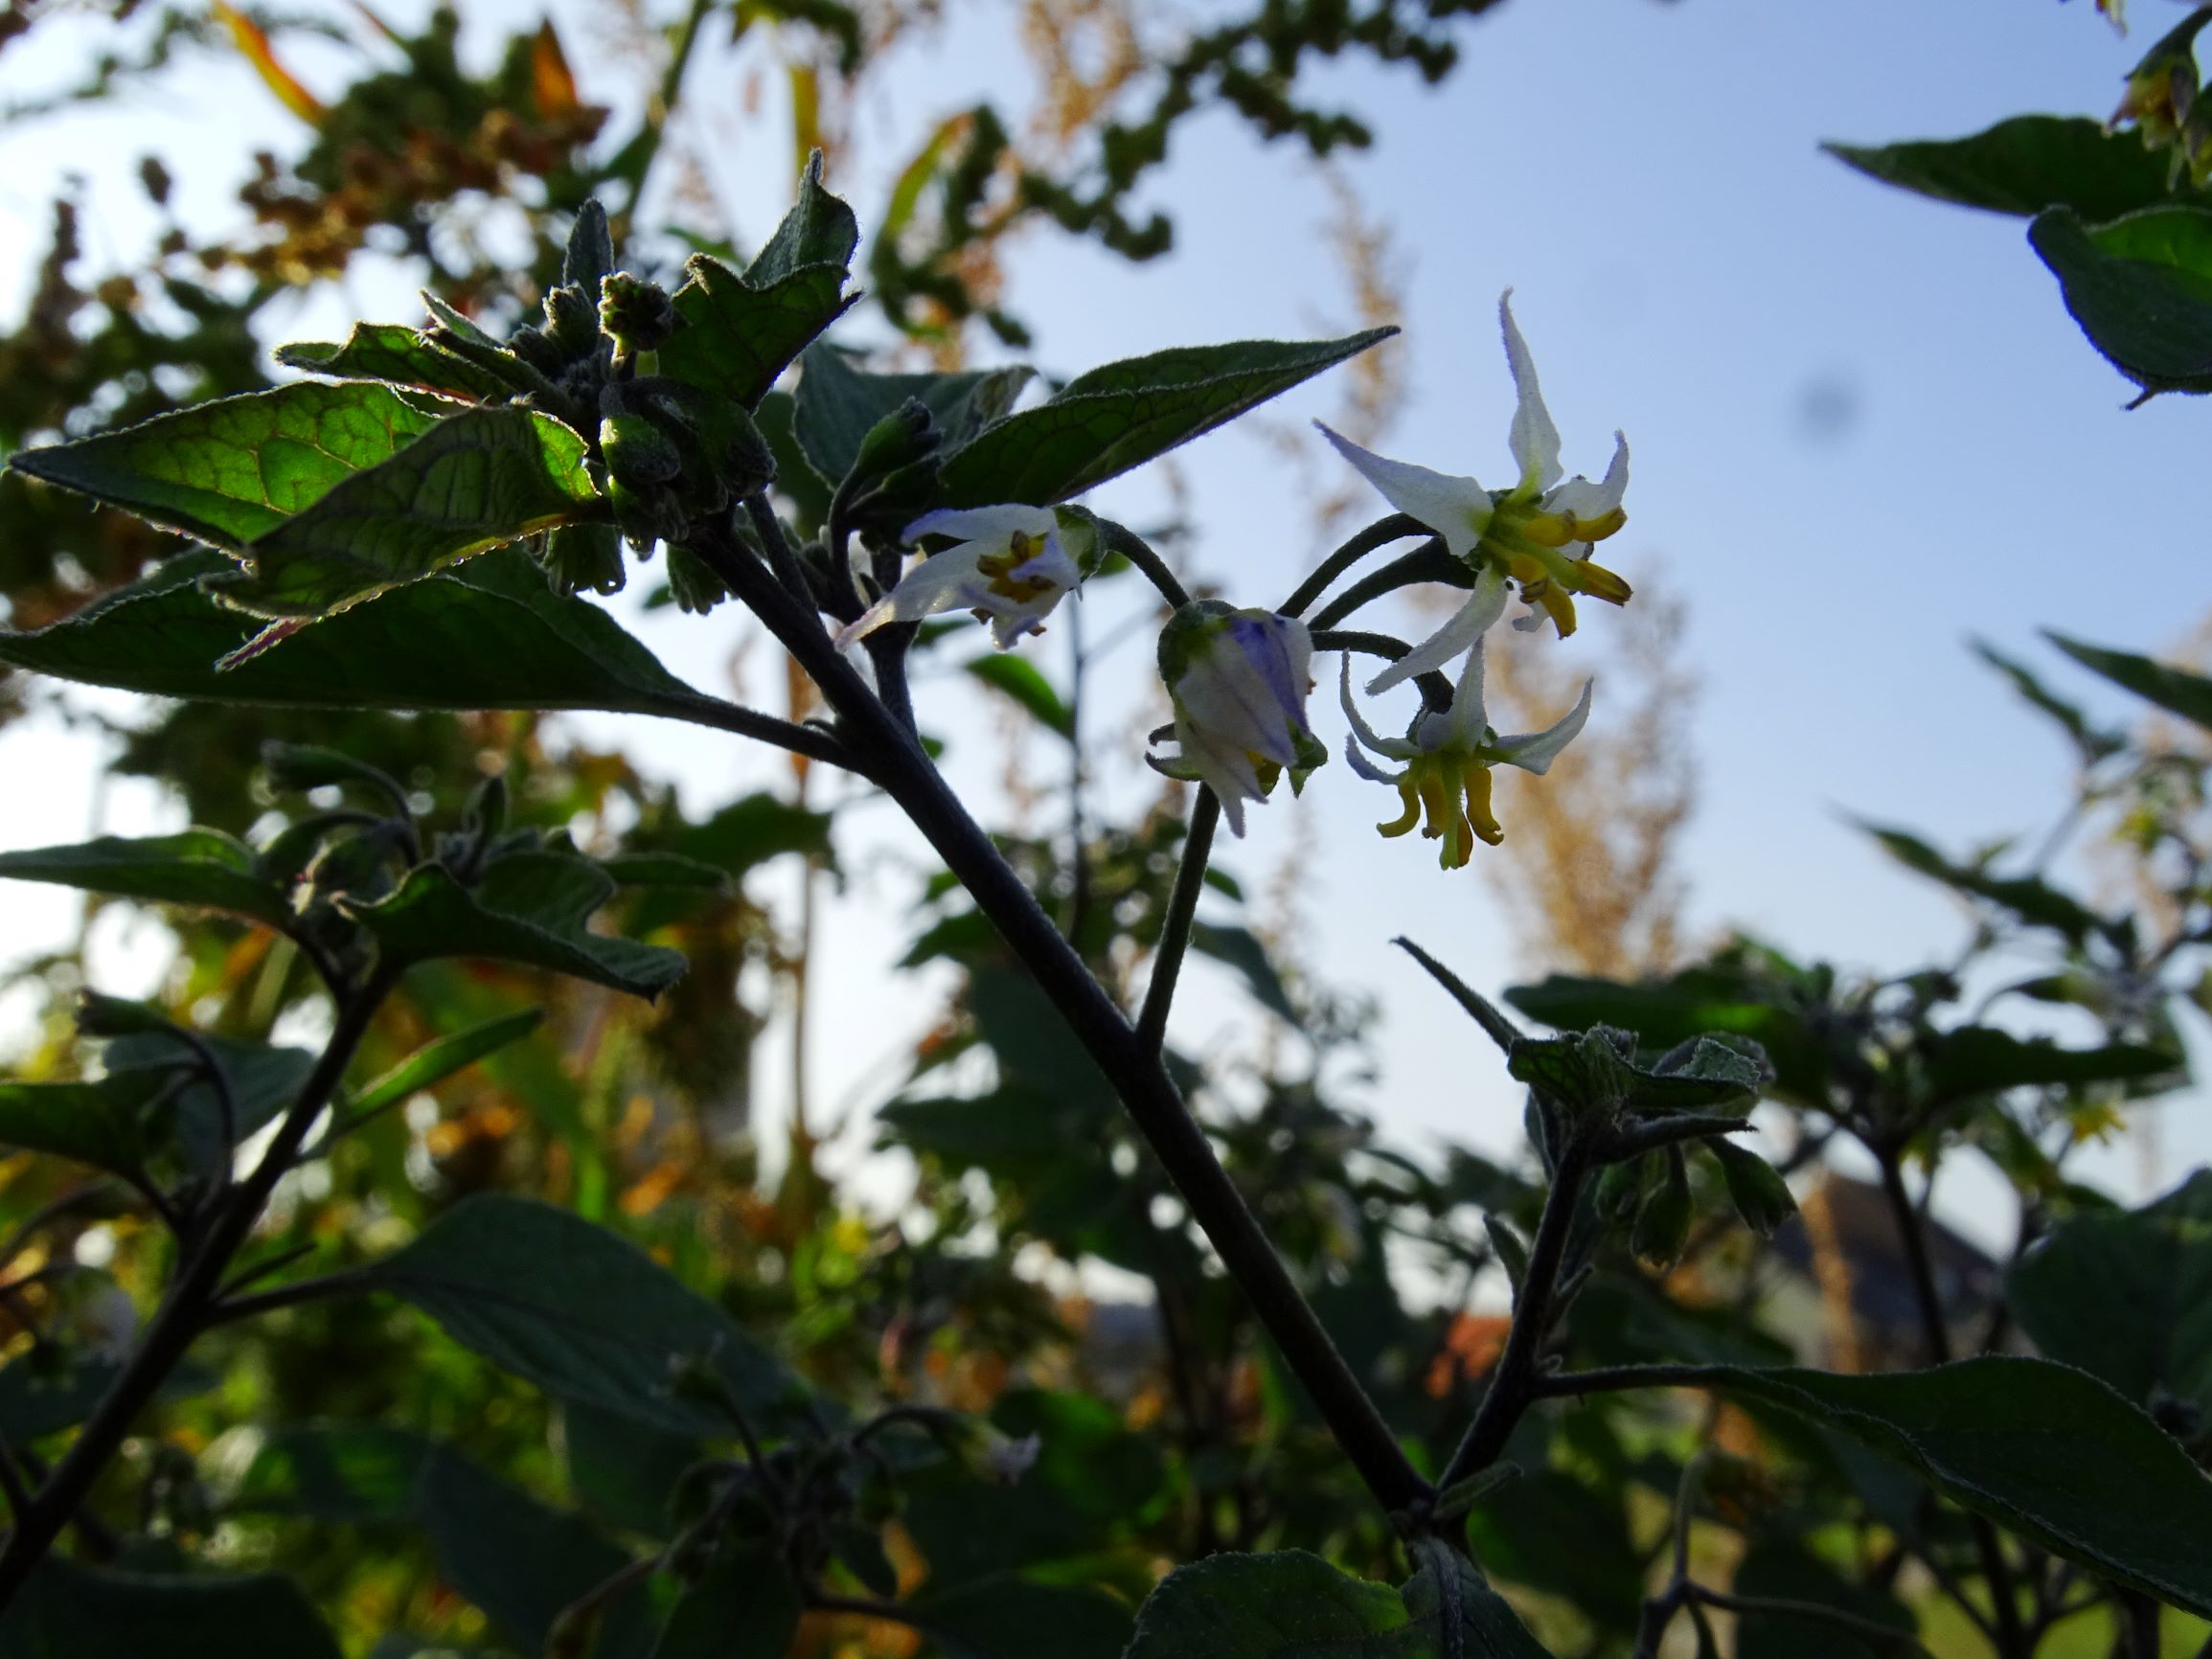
x: 1687, y: 267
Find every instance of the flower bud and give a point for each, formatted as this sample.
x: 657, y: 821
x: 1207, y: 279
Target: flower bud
x: 1239, y: 681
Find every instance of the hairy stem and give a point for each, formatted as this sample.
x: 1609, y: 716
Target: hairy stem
x: 184, y: 1311
x: 1381, y: 534
x: 1513, y: 1385
x: 1120, y: 538
x: 1175, y: 930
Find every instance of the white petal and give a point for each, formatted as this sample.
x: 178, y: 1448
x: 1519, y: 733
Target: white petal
x: 1367, y: 768
x: 1587, y: 500
x: 1534, y: 439
x: 982, y: 523
x: 1473, y: 619
x: 1535, y: 751
x: 1456, y: 509
x: 1466, y: 723
x: 946, y: 582
x: 1360, y: 729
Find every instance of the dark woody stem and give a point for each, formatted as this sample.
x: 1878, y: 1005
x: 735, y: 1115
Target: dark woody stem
x: 184, y: 1312
x: 1137, y: 1073
x: 1381, y: 534
x: 1514, y: 1383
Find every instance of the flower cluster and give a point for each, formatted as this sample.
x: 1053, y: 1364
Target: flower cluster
x: 1239, y: 679
x: 1538, y: 534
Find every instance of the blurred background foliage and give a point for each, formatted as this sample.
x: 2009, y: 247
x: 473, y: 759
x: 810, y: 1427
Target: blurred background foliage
x: 1035, y: 1275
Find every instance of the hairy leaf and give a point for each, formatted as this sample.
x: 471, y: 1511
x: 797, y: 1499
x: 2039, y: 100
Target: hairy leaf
x: 2174, y: 690
x: 435, y: 1061
x: 2142, y: 291
x: 2046, y: 1451
x: 102, y: 1124
x: 840, y: 404
x: 580, y: 1313
x: 396, y: 354
x: 201, y: 868
x: 476, y: 481
x: 1022, y: 681
x: 233, y: 471
x: 1102, y: 423
x: 742, y: 1607
x: 529, y: 907
x: 2127, y: 1296
x: 489, y: 635
x: 2027, y: 897
x: 740, y: 332
x: 522, y: 1563
x: 1980, y: 1060
x: 1292, y: 1605
x: 2022, y: 166
x: 336, y: 1473
x: 67, y: 1610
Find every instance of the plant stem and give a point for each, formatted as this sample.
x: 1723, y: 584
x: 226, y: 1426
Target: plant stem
x: 1176, y: 929
x: 184, y: 1311
x: 2011, y: 1637
x: 1514, y: 1385
x: 1136, y: 1073
x: 808, y: 740
x: 1381, y: 534
x: 1120, y: 538
x: 1427, y: 563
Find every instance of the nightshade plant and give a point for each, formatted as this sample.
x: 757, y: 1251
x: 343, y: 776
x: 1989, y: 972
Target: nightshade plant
x: 414, y: 528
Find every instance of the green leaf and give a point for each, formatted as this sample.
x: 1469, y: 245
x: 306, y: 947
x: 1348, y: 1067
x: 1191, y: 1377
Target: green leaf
x: 2027, y: 897
x: 233, y: 471
x: 580, y: 1313
x: 476, y: 481
x: 2023, y: 166
x: 740, y: 332
x: 1292, y: 1605
x: 1022, y: 680
x: 2127, y: 1296
x: 1980, y: 1060
x: 2091, y: 740
x: 204, y: 869
x: 396, y: 355
x: 529, y: 907
x: 489, y: 635
x: 2142, y: 292
x: 522, y: 1563
x: 624, y: 1469
x: 819, y: 230
x: 1777, y: 1569
x: 839, y: 404
x: 50, y: 1389
x: 1102, y: 423
x: 435, y: 1061
x: 1719, y: 996
x: 264, y: 1081
x: 2046, y: 1451
x: 1552, y: 1533
x: 70, y: 1611
x: 1239, y: 947
x: 338, y: 1474
x: 2176, y: 691
x: 102, y: 1124
x: 744, y: 1608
